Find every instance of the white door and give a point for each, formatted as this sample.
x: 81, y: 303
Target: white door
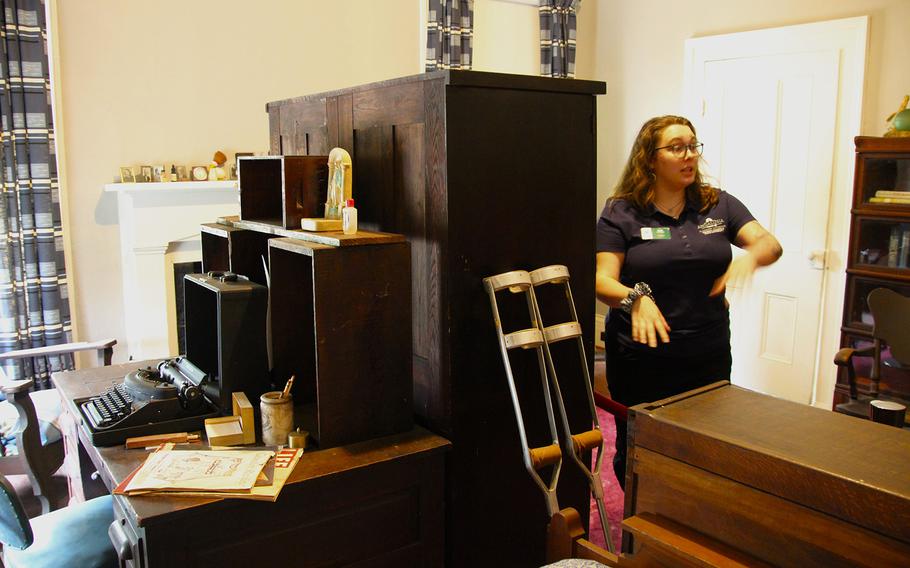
x: 768, y: 115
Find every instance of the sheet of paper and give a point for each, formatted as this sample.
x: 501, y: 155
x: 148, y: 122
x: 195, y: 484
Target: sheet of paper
x: 204, y: 470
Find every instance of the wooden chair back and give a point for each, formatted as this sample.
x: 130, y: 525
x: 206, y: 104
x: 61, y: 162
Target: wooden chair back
x: 891, y: 312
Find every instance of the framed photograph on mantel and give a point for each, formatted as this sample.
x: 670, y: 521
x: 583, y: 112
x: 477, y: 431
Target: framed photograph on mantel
x: 145, y: 173
x: 126, y: 175
x: 181, y: 173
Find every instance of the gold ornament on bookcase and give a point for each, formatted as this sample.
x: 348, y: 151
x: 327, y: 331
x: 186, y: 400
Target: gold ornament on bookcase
x: 900, y: 120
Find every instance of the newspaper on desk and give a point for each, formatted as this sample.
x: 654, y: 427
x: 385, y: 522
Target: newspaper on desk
x: 212, y: 473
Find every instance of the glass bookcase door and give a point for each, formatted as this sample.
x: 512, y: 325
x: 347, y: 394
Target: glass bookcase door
x: 882, y: 243
x: 885, y: 182
x: 858, y: 315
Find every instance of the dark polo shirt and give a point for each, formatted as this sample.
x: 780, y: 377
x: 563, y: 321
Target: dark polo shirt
x: 680, y: 269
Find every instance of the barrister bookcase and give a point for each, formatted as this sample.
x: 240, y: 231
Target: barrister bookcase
x: 879, y: 256
x: 482, y: 173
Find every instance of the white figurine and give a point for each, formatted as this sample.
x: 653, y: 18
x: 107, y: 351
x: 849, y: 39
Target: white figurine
x: 340, y: 178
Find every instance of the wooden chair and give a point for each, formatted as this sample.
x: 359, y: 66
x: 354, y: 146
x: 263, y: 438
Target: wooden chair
x: 39, y: 442
x: 73, y: 536
x: 890, y: 312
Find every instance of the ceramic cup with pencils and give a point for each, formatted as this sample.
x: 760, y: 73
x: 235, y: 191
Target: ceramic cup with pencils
x: 277, y: 409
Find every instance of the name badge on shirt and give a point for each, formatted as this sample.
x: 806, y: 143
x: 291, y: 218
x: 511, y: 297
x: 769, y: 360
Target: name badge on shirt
x: 655, y: 233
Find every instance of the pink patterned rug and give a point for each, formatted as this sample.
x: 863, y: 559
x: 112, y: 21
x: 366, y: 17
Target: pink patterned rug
x: 613, y: 494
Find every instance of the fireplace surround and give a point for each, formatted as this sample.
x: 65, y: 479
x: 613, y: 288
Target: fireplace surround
x: 159, y: 227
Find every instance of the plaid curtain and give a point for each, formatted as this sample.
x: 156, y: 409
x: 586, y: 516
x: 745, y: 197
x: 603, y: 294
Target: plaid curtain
x: 557, y: 37
x: 34, y: 311
x: 450, y: 29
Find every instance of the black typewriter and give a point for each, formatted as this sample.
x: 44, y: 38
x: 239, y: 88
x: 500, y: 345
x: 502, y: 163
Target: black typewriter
x: 169, y: 398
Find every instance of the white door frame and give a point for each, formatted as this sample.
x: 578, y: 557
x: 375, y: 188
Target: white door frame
x: 849, y: 37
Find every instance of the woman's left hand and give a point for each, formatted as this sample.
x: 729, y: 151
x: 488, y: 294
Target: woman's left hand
x: 738, y: 274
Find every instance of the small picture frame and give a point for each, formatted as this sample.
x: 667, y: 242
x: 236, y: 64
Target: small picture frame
x: 145, y: 173
x: 200, y: 173
x: 181, y: 173
x: 126, y: 175
x: 156, y: 173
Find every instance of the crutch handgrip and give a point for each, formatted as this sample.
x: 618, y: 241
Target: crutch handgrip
x: 544, y: 456
x: 587, y: 441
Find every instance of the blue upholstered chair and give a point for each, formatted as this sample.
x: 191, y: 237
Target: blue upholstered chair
x: 72, y: 536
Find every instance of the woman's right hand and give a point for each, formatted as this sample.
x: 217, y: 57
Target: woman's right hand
x: 648, y: 324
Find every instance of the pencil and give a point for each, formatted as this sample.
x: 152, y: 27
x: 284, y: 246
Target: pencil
x: 287, y: 387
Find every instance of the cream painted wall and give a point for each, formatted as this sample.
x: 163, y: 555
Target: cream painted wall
x: 638, y: 50
x: 173, y: 81
x: 506, y: 37
x: 137, y: 85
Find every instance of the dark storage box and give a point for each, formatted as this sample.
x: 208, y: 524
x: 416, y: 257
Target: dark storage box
x: 226, y: 334
x: 282, y: 190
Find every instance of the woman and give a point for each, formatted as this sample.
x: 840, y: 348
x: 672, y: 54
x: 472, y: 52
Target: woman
x: 663, y: 263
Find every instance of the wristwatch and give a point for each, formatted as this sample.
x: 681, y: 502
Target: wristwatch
x: 639, y: 290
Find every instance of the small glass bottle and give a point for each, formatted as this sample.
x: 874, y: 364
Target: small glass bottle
x: 349, y: 218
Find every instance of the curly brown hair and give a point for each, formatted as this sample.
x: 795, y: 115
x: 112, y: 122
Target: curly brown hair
x: 636, y: 183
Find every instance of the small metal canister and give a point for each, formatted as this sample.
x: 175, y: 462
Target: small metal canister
x: 298, y: 439
x: 277, y: 418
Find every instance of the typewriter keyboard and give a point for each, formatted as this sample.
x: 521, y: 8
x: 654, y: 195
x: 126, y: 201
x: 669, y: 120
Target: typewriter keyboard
x: 110, y: 407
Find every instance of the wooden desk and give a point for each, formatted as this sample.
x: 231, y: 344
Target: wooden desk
x: 378, y: 502
x: 780, y: 482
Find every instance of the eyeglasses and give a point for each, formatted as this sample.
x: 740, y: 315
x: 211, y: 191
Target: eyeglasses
x: 679, y: 150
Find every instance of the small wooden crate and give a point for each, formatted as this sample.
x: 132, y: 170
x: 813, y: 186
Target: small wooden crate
x: 344, y: 331
x: 282, y: 190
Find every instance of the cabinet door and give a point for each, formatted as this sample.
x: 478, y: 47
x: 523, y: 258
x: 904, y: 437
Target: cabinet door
x: 883, y: 181
x: 882, y: 244
x: 857, y: 316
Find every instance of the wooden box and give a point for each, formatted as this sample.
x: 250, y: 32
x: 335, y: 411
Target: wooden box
x: 282, y: 190
x: 783, y: 483
x: 341, y: 325
x: 226, y: 335
x: 876, y: 260
x: 230, y: 249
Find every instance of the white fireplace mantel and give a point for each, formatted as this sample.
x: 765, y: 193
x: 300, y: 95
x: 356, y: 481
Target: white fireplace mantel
x: 159, y: 225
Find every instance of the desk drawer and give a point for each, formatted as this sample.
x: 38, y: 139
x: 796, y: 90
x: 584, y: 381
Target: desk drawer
x: 125, y: 539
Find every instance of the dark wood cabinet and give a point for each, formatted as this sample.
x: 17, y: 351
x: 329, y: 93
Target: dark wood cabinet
x: 483, y: 173
x: 879, y: 255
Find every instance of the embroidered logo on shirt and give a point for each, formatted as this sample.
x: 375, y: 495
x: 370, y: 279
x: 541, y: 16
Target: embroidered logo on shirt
x: 711, y: 226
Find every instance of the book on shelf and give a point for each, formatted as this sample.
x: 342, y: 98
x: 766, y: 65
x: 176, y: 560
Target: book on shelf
x: 904, y: 251
x: 897, y: 200
x: 894, y: 245
x: 899, y: 193
x: 899, y: 246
